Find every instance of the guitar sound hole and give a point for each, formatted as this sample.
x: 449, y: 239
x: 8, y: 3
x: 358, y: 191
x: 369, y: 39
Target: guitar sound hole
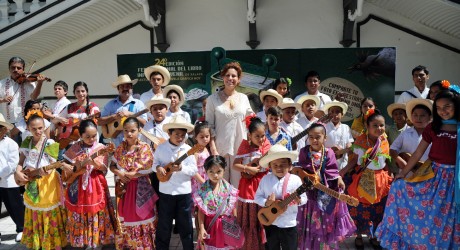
x: 64, y: 129
x: 115, y: 124
x: 274, y: 210
x: 168, y: 170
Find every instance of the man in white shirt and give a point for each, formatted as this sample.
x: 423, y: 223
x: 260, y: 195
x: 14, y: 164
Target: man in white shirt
x: 420, y: 76
x: 312, y: 83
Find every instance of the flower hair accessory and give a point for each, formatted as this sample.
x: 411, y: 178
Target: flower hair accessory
x: 445, y: 84
x: 33, y: 112
x: 248, y: 119
x: 369, y: 113
x: 289, y: 81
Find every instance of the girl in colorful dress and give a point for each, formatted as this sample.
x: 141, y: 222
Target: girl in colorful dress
x: 424, y: 213
x: 132, y: 163
x: 247, y: 162
x: 214, y: 193
x: 358, y: 127
x: 368, y: 178
x: 87, y: 198
x: 45, y: 215
x: 323, y: 221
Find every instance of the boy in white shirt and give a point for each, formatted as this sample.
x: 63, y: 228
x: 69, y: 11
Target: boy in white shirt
x: 289, y: 125
x: 309, y: 106
x: 278, y: 185
x: 175, y: 194
x: 158, y: 107
x: 339, y: 136
x: 269, y: 98
x: 10, y: 193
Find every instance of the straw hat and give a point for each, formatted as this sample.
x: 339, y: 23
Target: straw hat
x: 273, y: 93
x: 335, y: 103
x: 418, y: 101
x: 392, y: 107
x: 4, y: 123
x: 178, y: 122
x: 122, y: 79
x: 289, y: 103
x: 160, y: 69
x: 158, y: 100
x: 308, y: 97
x: 277, y: 152
x: 178, y: 89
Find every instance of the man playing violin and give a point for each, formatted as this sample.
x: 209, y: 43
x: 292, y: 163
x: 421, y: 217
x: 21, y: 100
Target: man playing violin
x: 16, y: 90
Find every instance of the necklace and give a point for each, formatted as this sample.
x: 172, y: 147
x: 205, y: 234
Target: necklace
x: 228, y: 98
x: 313, y: 160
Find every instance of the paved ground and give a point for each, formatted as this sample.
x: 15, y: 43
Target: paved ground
x: 8, y: 231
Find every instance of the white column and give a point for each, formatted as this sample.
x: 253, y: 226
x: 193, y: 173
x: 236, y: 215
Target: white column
x: 34, y: 6
x: 19, y: 9
x: 4, y: 13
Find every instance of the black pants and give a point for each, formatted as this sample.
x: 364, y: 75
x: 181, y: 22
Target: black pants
x: 178, y: 207
x: 277, y: 238
x: 14, y: 204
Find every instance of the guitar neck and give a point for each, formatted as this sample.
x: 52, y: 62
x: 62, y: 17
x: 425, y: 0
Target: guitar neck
x: 140, y: 113
x: 52, y: 166
x: 289, y: 199
x: 327, y: 190
x: 299, y: 136
x: 183, y: 157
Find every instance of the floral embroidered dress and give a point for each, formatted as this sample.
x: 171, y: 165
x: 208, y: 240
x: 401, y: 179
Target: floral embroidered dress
x: 136, y: 208
x: 200, y: 158
x: 209, y: 204
x: 88, y: 201
x: 421, y: 215
x: 370, y: 185
x: 45, y: 216
x: 323, y: 221
x: 247, y: 209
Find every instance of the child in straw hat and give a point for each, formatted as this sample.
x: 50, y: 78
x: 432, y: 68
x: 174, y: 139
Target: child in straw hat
x: 277, y: 185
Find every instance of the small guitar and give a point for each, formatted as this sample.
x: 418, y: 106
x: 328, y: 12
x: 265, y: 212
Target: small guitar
x: 69, y: 133
x: 296, y: 138
x: 268, y: 215
x: 79, y: 170
x: 352, y: 201
x: 155, y: 140
x: 34, y: 173
x: 168, y: 168
x: 111, y: 130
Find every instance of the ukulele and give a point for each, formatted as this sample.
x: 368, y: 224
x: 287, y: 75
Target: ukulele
x: 268, y: 215
x: 155, y: 140
x: 111, y: 130
x: 34, y: 173
x: 168, y: 167
x: 352, y: 201
x: 69, y: 132
x: 79, y: 170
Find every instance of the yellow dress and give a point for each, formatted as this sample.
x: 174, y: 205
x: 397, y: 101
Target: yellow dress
x: 45, y: 217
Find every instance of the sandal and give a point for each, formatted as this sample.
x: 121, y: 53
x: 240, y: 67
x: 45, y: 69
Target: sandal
x: 375, y: 243
x: 359, y: 243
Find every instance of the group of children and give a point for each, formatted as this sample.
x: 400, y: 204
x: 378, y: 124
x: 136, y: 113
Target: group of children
x: 73, y: 205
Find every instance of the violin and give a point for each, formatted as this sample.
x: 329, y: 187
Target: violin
x: 30, y: 78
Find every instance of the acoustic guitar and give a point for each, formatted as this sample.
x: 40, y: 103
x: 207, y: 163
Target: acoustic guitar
x: 68, y: 133
x: 352, y: 201
x: 111, y: 130
x: 34, y: 173
x: 80, y: 169
x: 168, y: 167
x: 268, y: 215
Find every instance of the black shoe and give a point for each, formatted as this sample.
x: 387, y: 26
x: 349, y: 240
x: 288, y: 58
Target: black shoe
x: 375, y: 243
x: 175, y: 230
x: 359, y: 243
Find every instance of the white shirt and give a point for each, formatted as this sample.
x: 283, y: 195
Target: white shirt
x: 405, y: 97
x: 9, y: 159
x: 293, y: 129
x: 339, y: 136
x: 180, y: 182
x: 182, y: 113
x: 323, y: 98
x: 145, y: 97
x: 408, y: 141
x: 262, y: 115
x: 13, y: 112
x: 156, y: 129
x: 60, y: 105
x: 271, y: 184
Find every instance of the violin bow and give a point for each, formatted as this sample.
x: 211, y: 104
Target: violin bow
x: 28, y: 72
